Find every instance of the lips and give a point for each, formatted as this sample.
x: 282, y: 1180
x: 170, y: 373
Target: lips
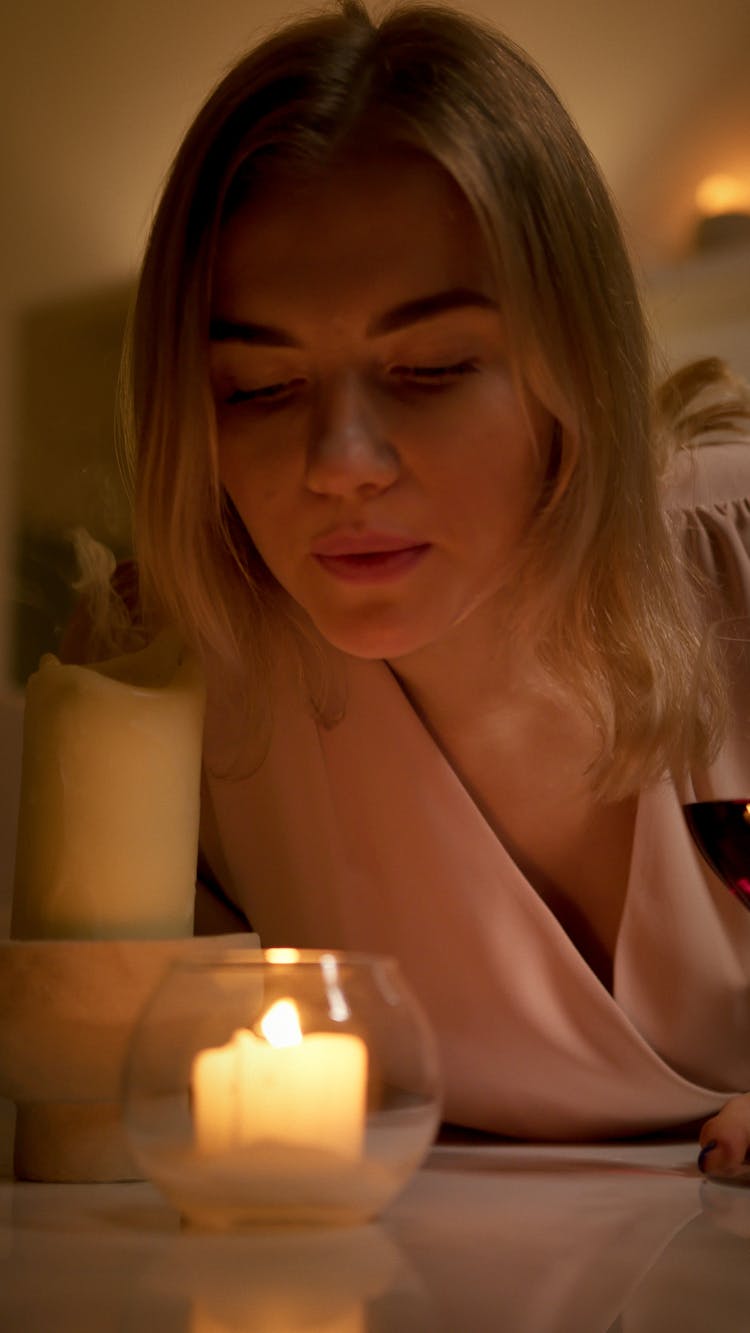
x: 362, y: 557
x: 346, y: 542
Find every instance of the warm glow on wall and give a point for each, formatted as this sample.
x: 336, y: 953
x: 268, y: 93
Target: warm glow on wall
x: 722, y: 193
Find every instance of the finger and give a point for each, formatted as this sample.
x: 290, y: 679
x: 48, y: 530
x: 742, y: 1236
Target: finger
x: 725, y: 1138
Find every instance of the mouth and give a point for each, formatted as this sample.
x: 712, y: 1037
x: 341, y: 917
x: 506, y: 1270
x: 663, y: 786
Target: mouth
x: 368, y: 557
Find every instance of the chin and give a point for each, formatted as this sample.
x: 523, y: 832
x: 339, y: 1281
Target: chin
x: 373, y: 640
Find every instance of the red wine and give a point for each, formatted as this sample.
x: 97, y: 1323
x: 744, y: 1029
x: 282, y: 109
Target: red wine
x: 721, y: 832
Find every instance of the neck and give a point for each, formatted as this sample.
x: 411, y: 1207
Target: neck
x: 476, y: 674
x: 488, y: 701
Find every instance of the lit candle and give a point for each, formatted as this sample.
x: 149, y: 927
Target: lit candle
x: 110, y: 789
x: 307, y: 1091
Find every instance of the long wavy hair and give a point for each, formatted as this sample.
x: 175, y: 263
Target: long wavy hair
x: 600, y: 587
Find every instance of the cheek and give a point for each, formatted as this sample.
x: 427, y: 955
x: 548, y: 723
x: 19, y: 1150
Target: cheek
x: 255, y: 480
x: 494, y: 458
x: 523, y: 446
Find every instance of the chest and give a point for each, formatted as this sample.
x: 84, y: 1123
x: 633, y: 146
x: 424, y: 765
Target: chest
x: 573, y: 848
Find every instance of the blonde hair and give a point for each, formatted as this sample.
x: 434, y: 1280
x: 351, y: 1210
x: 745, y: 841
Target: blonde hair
x: 617, y: 619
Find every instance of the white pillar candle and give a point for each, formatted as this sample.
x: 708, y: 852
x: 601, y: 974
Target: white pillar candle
x: 307, y: 1091
x: 110, y: 792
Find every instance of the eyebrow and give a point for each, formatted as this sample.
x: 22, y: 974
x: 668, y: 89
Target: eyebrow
x: 425, y: 307
x: 241, y: 331
x: 401, y: 316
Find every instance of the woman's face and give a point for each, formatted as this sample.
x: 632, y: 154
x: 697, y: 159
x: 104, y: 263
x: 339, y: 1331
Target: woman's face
x: 371, y: 435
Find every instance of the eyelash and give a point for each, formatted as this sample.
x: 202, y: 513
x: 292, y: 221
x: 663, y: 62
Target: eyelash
x: 270, y: 393
x: 422, y: 377
x: 434, y: 376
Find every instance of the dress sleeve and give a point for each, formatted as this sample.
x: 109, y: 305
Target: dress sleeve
x: 708, y: 498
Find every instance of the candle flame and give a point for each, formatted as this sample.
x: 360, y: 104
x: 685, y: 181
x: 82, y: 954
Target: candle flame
x: 280, y: 1026
x: 282, y: 955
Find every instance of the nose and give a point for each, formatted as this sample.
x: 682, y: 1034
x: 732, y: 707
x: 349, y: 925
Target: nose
x: 349, y: 452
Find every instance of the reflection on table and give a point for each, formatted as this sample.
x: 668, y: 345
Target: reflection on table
x: 486, y: 1237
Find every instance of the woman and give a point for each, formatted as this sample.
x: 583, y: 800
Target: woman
x: 399, y: 475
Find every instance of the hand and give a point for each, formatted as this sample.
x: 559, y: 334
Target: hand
x: 725, y: 1138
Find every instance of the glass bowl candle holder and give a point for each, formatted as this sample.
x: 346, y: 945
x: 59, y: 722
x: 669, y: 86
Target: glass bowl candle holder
x: 283, y: 1086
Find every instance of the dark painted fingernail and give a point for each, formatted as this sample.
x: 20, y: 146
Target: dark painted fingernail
x: 703, y: 1154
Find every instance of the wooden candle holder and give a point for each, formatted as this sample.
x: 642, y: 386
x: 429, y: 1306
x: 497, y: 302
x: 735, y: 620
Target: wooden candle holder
x: 67, y: 1010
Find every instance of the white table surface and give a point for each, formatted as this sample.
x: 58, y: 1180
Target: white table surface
x: 513, y: 1239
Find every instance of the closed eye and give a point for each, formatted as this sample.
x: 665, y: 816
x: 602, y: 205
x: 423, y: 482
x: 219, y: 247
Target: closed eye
x: 265, y: 393
x: 433, y: 376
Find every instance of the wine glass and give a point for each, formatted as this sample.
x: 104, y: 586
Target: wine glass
x: 720, y: 826
x: 721, y: 832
